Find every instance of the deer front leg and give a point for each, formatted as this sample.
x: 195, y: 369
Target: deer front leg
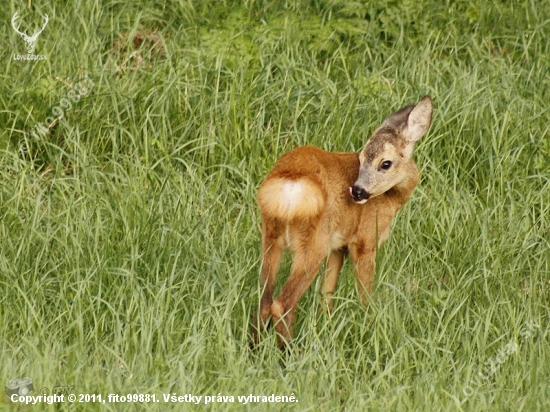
x: 363, y: 255
x: 334, y: 265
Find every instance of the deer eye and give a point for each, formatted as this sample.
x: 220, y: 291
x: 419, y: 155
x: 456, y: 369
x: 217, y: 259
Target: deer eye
x: 386, y: 165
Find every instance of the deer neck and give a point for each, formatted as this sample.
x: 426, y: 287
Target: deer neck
x: 402, y: 191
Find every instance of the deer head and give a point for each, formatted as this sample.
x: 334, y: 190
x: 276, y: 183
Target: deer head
x: 30, y: 40
x: 387, y: 159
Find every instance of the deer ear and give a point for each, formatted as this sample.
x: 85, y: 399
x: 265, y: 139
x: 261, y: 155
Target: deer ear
x: 419, y: 120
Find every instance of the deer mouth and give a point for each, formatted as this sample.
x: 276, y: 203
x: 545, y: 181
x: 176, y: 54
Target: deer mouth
x: 358, y: 194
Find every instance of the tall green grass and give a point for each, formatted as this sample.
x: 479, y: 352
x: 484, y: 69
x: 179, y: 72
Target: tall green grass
x: 130, y: 235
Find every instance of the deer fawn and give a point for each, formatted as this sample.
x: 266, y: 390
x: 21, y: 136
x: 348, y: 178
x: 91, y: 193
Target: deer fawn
x: 320, y: 204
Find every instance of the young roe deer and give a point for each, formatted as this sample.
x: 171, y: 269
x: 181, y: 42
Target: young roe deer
x: 320, y: 204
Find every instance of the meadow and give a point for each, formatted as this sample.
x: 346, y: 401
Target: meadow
x: 130, y: 236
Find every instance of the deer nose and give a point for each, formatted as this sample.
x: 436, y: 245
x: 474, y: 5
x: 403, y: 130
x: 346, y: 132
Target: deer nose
x: 359, y: 194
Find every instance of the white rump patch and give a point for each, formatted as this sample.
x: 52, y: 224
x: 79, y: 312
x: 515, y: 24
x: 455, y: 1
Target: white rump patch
x: 291, y: 193
x: 288, y: 199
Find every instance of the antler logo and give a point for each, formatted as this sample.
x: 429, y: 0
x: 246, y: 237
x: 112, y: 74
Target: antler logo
x: 30, y: 40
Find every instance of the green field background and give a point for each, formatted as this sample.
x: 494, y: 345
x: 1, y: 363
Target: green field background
x: 129, y: 232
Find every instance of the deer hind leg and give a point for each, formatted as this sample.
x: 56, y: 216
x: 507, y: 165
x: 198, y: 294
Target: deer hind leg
x: 272, y: 250
x: 308, y: 256
x: 334, y: 265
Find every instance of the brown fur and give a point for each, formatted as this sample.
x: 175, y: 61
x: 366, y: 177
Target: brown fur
x: 306, y: 206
